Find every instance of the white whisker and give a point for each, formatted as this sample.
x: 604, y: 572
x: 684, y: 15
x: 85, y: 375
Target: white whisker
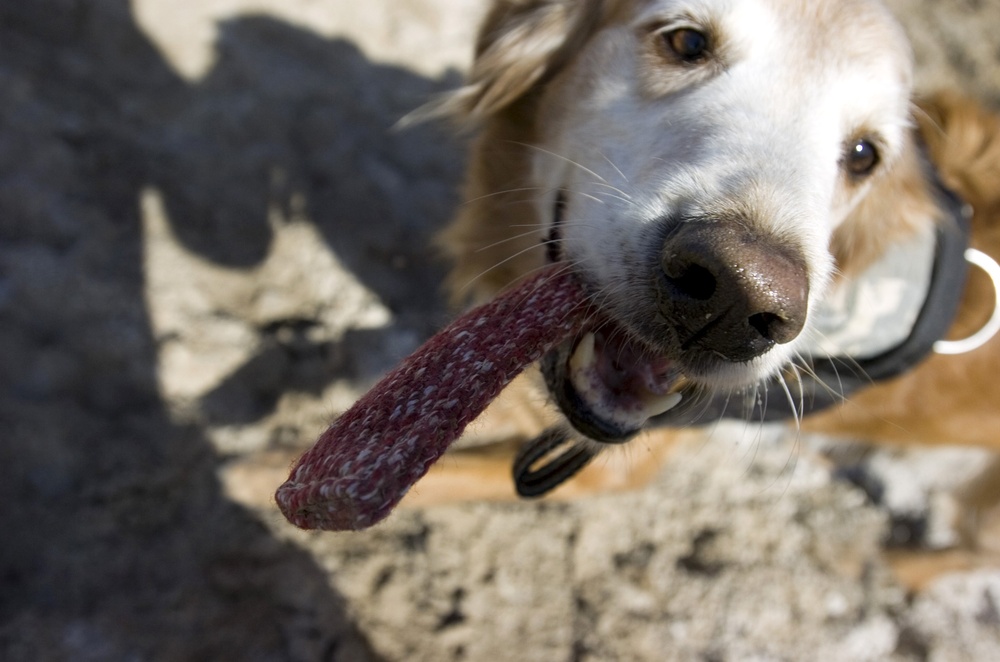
x: 494, y: 194
x: 562, y: 158
x: 617, y: 169
x: 507, y: 240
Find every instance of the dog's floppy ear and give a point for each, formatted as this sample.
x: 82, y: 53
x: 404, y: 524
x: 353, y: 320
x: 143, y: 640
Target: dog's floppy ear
x: 521, y: 44
x: 963, y: 139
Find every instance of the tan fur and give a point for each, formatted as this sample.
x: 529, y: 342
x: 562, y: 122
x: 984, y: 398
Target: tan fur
x: 497, y: 238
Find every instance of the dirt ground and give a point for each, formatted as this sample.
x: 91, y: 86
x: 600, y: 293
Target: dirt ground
x: 212, y: 240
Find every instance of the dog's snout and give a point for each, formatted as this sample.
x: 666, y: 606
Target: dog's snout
x: 730, y: 291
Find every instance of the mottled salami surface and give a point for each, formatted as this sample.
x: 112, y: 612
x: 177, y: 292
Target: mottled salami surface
x: 368, y: 458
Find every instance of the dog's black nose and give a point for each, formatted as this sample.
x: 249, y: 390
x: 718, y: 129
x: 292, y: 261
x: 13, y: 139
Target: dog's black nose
x: 730, y: 291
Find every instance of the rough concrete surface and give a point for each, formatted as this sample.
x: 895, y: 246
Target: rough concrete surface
x: 212, y: 240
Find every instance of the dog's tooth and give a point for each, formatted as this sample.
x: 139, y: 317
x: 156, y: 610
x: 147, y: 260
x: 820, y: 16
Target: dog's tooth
x: 583, y: 355
x: 659, y: 405
x: 680, y: 382
x: 581, y: 368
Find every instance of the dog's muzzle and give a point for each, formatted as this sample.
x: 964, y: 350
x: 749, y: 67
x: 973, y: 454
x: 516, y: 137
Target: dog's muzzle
x: 720, y: 295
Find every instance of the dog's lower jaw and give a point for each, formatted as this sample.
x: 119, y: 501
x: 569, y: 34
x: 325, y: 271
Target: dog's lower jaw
x: 609, y: 388
x: 651, y: 391
x: 577, y: 411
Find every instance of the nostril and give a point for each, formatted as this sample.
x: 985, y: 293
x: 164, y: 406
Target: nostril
x: 693, y: 281
x: 768, y: 325
x: 762, y: 322
x: 774, y: 327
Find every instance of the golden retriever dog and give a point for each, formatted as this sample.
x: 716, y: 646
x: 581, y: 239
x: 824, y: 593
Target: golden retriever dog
x: 771, y: 225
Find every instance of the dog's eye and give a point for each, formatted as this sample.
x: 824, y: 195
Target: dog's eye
x: 687, y: 43
x: 861, y: 158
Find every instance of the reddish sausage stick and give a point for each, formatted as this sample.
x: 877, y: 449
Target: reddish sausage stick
x: 368, y: 458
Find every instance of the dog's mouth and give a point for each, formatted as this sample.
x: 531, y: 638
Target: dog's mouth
x: 608, y: 385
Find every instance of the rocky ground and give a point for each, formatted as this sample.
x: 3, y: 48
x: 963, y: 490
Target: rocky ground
x: 212, y: 240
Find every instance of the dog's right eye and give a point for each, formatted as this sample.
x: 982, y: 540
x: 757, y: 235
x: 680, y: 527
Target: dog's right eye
x: 688, y: 44
x: 861, y: 158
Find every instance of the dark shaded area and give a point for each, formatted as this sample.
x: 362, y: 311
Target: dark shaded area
x: 117, y: 540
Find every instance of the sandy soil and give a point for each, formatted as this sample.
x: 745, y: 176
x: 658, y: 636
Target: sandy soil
x: 212, y: 240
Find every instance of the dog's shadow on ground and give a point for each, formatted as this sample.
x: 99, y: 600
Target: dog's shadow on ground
x: 118, y: 540
x: 316, y: 119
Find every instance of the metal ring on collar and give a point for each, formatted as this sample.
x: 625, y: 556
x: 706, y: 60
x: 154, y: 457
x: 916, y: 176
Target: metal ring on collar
x: 992, y: 326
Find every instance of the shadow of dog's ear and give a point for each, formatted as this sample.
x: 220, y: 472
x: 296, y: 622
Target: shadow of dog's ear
x: 521, y: 44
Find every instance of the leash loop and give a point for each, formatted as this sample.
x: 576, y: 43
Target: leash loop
x: 549, y: 460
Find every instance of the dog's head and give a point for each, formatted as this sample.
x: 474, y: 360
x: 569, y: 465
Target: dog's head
x: 707, y: 168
